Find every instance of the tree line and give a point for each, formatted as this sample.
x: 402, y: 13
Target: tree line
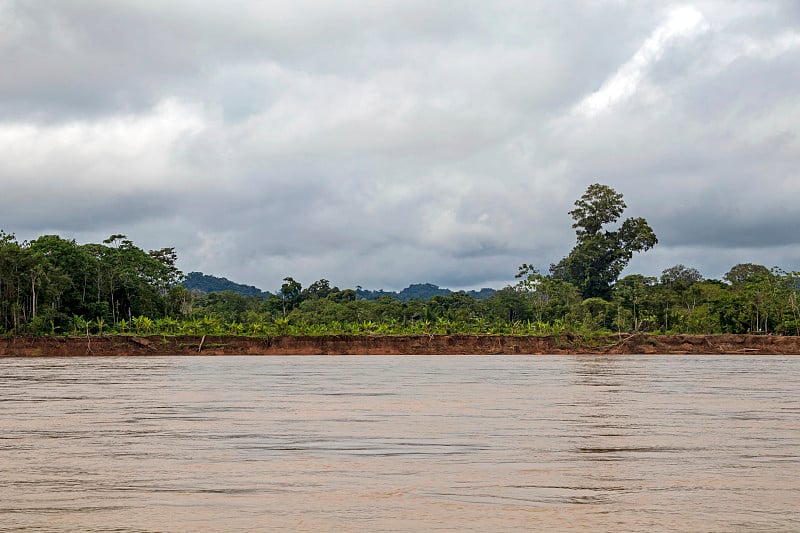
x: 54, y: 286
x: 750, y: 299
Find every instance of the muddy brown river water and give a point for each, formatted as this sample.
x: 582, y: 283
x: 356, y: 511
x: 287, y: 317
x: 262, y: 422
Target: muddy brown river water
x: 400, y: 443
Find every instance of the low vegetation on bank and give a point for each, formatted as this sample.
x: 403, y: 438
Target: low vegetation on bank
x: 55, y: 286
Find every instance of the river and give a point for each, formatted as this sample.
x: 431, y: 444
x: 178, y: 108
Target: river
x: 400, y: 443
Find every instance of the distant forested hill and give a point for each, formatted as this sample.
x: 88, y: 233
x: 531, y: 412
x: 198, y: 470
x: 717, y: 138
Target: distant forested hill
x: 422, y: 291
x: 207, y: 283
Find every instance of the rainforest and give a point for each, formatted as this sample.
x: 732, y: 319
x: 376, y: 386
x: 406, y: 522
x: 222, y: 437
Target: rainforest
x: 52, y: 286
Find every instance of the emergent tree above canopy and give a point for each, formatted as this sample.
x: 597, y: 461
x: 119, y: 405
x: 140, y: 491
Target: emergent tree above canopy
x: 600, y: 255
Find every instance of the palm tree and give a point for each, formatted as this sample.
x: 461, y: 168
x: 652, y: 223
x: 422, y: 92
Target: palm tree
x: 166, y: 325
x: 79, y: 324
x: 138, y: 323
x: 282, y: 325
x: 481, y: 324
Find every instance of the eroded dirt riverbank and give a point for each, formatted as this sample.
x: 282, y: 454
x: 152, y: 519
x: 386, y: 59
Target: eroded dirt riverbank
x: 21, y: 346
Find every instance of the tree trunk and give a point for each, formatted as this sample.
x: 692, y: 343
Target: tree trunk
x: 33, y: 295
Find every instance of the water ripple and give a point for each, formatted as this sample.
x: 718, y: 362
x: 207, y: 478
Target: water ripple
x: 569, y: 443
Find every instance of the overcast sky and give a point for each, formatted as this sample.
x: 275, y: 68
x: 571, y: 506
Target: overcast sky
x: 384, y: 143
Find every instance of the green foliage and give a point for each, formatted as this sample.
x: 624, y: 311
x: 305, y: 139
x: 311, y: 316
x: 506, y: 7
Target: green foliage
x: 142, y: 325
x: 48, y: 282
x: 290, y: 294
x: 53, y: 286
x: 600, y: 256
x: 746, y: 272
x: 636, y: 294
x: 599, y: 205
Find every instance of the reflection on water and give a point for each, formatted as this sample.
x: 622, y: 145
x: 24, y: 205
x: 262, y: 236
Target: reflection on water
x: 623, y: 443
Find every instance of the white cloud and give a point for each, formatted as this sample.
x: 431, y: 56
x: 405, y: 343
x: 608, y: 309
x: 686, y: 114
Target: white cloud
x: 127, y: 152
x: 682, y: 23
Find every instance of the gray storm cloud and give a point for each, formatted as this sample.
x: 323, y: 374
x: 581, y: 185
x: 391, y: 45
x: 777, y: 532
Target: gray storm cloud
x: 389, y: 143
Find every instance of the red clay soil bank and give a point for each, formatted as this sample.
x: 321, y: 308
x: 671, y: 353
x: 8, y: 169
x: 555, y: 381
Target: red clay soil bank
x: 398, y: 345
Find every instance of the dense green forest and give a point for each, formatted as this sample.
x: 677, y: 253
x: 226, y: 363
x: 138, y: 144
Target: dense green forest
x: 55, y: 286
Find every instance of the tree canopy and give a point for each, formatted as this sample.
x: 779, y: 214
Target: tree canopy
x: 47, y: 282
x: 600, y: 255
x: 54, y: 286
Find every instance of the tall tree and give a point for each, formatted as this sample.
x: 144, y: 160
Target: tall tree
x: 744, y: 272
x: 291, y: 292
x: 600, y: 255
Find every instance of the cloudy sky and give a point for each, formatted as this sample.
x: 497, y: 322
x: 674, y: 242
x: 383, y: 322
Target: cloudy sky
x: 384, y: 143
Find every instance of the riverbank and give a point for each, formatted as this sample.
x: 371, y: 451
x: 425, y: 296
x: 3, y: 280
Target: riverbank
x: 128, y: 345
